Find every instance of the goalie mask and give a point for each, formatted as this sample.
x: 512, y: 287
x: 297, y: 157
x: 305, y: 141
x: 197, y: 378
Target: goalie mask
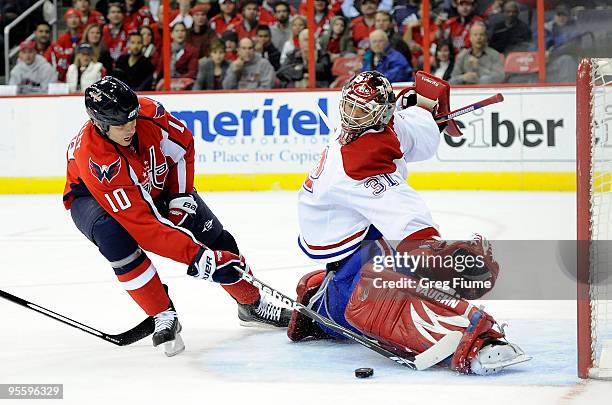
x: 367, y: 102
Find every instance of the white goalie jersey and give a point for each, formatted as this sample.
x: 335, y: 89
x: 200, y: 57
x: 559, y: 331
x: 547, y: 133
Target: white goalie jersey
x: 363, y: 184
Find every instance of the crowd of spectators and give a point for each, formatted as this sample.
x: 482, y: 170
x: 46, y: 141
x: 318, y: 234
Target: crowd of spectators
x: 263, y: 44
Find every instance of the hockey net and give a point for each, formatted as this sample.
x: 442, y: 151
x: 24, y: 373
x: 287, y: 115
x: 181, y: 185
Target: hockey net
x: 594, y: 209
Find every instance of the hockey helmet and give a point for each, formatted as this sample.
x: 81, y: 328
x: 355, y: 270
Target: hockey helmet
x: 368, y: 102
x: 109, y: 101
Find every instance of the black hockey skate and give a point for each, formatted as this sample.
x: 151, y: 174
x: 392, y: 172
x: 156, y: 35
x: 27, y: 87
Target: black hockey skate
x: 264, y: 313
x: 167, y: 332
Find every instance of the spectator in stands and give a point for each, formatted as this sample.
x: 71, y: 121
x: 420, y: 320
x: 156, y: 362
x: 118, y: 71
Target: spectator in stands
x: 405, y: 11
x: 230, y: 40
x: 444, y: 60
x: 88, y: 15
x: 560, y: 30
x: 115, y: 33
x: 201, y: 35
x: 294, y: 72
x: 264, y: 46
x: 32, y: 73
x: 510, y: 34
x: 350, y: 11
x: 133, y: 68
x: 148, y: 44
x: 137, y: 14
x: 479, y: 64
x: 322, y: 15
x: 182, y: 14
x: 227, y: 19
x: 414, y: 33
x: 158, y: 29
x: 72, y: 36
x: 212, y: 70
x: 93, y: 36
x: 42, y: 37
x: 183, y: 56
x: 60, y: 53
x: 281, y: 29
x: 248, y: 26
x: 560, y: 37
x: 337, y: 41
x: 383, y: 58
x: 457, y: 29
x: 266, y: 13
x: 383, y: 21
x: 249, y: 71
x: 298, y: 24
x: 493, y: 10
x: 84, y: 71
x: 362, y: 26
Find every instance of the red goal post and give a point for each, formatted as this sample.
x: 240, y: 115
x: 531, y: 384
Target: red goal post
x: 594, y: 217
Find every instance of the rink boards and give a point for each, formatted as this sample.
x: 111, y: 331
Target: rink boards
x: 270, y: 140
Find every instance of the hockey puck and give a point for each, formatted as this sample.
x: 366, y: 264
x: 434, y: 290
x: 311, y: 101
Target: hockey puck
x: 364, y: 372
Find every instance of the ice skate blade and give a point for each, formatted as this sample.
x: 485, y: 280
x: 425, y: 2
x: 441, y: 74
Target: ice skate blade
x: 173, y: 347
x: 260, y: 325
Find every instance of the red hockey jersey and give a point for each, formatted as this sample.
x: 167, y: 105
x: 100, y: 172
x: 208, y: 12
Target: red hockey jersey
x: 126, y: 179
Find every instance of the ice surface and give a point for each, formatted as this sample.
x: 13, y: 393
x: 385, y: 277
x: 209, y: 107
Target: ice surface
x: 45, y: 259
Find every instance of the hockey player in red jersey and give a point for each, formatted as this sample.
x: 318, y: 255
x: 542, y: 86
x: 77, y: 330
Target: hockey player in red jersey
x: 130, y: 189
x: 387, y: 270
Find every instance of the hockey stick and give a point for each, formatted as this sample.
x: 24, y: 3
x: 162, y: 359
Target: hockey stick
x: 498, y: 98
x: 140, y: 331
x: 430, y: 357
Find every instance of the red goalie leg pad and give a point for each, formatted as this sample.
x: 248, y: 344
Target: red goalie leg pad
x: 145, y: 287
x: 406, y: 317
x: 300, y: 326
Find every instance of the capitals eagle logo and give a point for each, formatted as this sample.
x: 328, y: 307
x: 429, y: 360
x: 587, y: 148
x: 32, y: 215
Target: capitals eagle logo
x: 105, y: 172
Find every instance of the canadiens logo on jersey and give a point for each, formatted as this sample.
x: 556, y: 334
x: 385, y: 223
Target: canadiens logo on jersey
x: 105, y: 172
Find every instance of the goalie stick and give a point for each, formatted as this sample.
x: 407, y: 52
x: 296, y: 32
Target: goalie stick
x: 138, y: 332
x: 497, y: 98
x: 430, y: 357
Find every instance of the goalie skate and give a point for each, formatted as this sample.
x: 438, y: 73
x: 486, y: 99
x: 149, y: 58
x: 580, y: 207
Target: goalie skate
x: 496, y: 356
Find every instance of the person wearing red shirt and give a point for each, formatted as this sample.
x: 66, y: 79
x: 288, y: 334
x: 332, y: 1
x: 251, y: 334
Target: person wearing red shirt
x: 60, y: 53
x: 182, y: 14
x: 88, y: 16
x: 227, y: 19
x: 137, y: 14
x: 183, y: 56
x: 248, y: 25
x: 266, y: 13
x: 362, y: 26
x: 457, y: 29
x: 116, y: 32
x: 130, y: 189
x: 201, y: 36
x: 42, y: 37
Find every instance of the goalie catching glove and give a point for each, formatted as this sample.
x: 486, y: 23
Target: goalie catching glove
x: 217, y: 266
x: 432, y: 94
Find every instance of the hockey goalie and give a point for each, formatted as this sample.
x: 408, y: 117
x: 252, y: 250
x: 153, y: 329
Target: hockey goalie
x: 358, y: 217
